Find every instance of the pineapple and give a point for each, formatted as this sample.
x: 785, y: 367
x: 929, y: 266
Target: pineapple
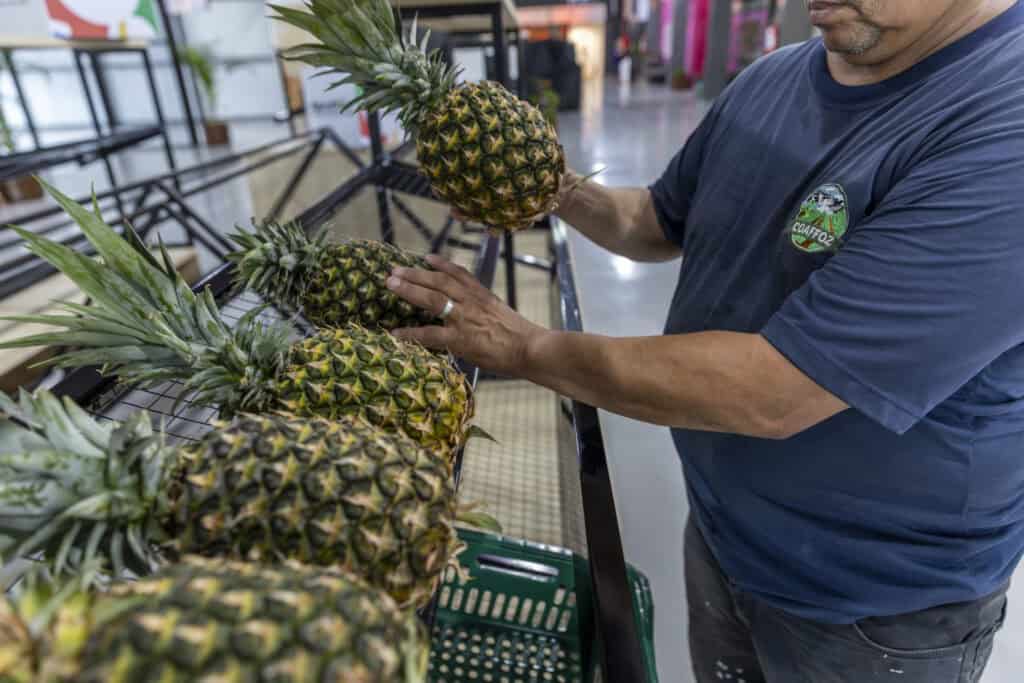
x: 337, y: 493
x: 146, y: 325
x: 491, y: 155
x: 207, y: 620
x: 332, y: 284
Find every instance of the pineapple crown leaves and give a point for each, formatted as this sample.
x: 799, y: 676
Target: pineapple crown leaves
x: 46, y: 622
x: 359, y: 40
x: 275, y: 258
x: 73, y: 489
x: 139, y: 324
x: 145, y: 324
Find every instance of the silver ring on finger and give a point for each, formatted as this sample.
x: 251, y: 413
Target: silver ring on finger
x: 449, y: 306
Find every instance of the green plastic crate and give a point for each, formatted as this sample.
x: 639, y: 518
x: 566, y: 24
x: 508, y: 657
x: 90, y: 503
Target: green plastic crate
x: 526, y: 616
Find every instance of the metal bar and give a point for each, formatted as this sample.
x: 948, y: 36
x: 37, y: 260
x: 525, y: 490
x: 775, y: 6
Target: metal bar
x: 325, y: 208
x: 172, y: 45
x: 29, y: 121
x: 197, y: 236
x: 143, y: 196
x: 151, y: 80
x: 101, y: 85
x: 500, y: 46
x: 284, y: 91
x: 299, y: 174
x: 81, y: 152
x: 204, y: 166
x: 77, y: 55
x: 342, y: 147
x: 387, y: 230
x: 622, y: 654
x: 179, y: 200
x: 419, y: 225
x: 441, y: 239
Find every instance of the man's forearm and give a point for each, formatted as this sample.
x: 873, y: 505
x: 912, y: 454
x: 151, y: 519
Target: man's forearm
x: 622, y: 220
x: 712, y: 381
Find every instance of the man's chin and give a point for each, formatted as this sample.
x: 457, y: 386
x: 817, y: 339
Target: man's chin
x: 849, y: 41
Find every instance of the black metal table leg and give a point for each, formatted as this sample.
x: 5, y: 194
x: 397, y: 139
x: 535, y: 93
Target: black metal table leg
x: 29, y: 122
x: 151, y: 80
x: 101, y: 85
x: 172, y: 45
x: 501, y: 71
x: 93, y: 115
x: 284, y: 90
x: 387, y: 229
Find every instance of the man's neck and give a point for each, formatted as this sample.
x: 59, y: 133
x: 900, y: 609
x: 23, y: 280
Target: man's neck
x: 962, y: 20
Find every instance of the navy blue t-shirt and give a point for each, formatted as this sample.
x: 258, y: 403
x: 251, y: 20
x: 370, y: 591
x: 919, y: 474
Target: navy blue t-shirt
x: 875, y: 236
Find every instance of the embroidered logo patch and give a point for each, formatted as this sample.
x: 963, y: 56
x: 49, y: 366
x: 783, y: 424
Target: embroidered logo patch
x: 822, y: 220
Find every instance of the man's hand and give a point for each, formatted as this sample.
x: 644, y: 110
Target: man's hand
x: 480, y: 327
x: 713, y: 381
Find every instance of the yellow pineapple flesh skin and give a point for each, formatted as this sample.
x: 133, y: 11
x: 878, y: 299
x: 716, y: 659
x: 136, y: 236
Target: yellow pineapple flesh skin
x: 491, y: 155
x: 392, y: 384
x: 230, y: 621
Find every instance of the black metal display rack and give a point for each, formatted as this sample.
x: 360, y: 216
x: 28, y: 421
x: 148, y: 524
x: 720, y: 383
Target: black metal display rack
x: 90, y: 52
x: 622, y: 651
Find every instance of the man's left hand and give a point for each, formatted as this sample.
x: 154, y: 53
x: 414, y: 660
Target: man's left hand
x: 479, y: 328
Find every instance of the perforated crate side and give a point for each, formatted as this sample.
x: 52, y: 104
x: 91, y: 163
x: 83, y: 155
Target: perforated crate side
x: 524, y: 615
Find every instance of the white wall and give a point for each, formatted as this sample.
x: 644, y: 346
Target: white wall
x: 23, y: 18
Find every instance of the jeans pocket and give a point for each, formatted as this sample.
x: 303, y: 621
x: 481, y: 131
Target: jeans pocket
x: 948, y: 651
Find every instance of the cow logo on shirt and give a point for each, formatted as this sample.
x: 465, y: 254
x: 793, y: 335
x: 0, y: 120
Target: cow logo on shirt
x: 822, y: 221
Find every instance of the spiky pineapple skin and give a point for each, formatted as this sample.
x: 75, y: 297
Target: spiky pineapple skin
x: 350, y: 286
x: 491, y: 155
x: 394, y: 385
x: 335, y: 493
x: 231, y: 621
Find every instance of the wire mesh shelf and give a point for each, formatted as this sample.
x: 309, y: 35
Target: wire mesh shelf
x: 178, y: 416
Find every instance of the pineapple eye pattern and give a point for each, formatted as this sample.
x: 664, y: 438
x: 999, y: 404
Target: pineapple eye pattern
x: 483, y: 126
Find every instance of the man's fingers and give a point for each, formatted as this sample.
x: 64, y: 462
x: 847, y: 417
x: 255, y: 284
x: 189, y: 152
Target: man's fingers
x: 458, y: 272
x: 432, y: 279
x: 432, y: 337
x: 427, y: 299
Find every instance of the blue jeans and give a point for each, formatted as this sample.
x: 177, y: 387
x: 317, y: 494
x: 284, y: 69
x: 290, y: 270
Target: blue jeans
x: 736, y: 638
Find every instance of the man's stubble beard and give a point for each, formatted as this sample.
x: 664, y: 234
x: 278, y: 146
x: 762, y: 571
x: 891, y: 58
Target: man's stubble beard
x: 861, y: 37
x: 859, y: 40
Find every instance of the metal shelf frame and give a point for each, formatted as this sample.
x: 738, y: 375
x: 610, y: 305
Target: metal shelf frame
x: 93, y: 55
x: 621, y: 649
x: 147, y: 203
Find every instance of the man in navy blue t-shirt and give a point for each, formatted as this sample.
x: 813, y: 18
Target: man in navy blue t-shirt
x: 843, y: 364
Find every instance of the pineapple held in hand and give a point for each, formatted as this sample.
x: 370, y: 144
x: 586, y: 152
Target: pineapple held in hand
x: 332, y: 284
x: 334, y: 493
x: 206, y: 620
x: 146, y: 325
x: 486, y: 152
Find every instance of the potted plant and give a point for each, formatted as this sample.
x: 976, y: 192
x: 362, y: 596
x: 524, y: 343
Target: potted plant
x: 680, y: 80
x: 198, y: 61
x: 547, y: 100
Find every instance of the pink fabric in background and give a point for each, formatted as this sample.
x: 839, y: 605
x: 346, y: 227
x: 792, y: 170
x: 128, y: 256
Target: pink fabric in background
x: 696, y: 38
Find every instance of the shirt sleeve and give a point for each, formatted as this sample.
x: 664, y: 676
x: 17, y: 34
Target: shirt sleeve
x: 673, y: 192
x: 925, y: 293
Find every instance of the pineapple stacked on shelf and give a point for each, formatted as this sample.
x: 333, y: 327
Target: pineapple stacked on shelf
x: 489, y: 154
x: 337, y: 453
x: 209, y: 620
x: 330, y: 284
x: 147, y: 326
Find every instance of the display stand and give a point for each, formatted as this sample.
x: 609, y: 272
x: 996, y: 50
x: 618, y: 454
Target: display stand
x: 91, y: 51
x: 623, y: 647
